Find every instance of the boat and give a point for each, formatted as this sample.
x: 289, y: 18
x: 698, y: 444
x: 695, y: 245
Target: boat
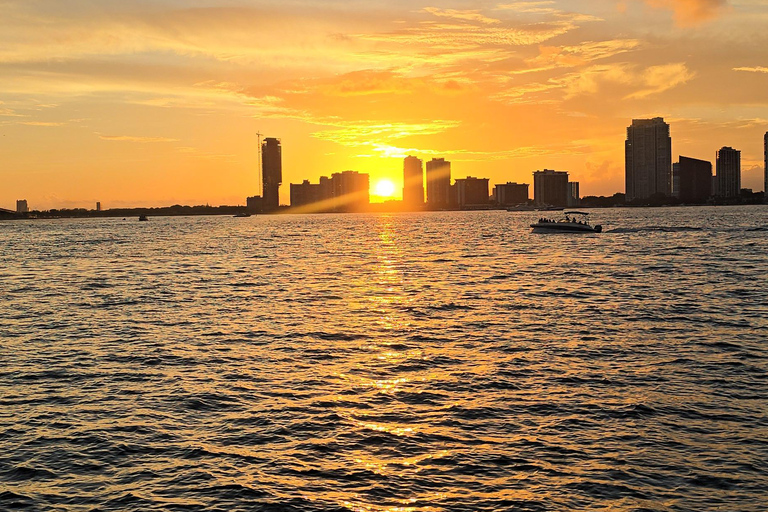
x: 572, y: 222
x: 143, y: 218
x: 241, y: 215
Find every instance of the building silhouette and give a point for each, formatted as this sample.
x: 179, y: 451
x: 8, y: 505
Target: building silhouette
x: 438, y: 184
x: 728, y: 169
x: 574, y: 198
x: 413, y: 183
x: 305, y: 194
x: 765, y: 168
x: 648, y: 159
x: 98, y: 206
x: 253, y: 204
x: 272, y: 174
x: 22, y: 206
x: 511, y: 194
x: 351, y: 191
x: 471, y: 192
x: 550, y: 188
x: 695, y: 179
x: 346, y: 191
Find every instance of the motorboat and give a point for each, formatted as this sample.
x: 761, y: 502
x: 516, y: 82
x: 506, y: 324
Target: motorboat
x: 143, y: 218
x: 572, y: 222
x: 241, y: 215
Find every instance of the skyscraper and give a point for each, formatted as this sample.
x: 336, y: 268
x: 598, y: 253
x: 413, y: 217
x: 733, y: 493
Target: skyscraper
x: 574, y: 197
x: 695, y: 180
x: 351, y: 191
x: 22, y: 206
x: 550, y: 188
x: 648, y: 159
x: 510, y: 194
x: 438, y: 183
x: 272, y: 169
x: 413, y: 183
x: 728, y: 173
x: 472, y: 192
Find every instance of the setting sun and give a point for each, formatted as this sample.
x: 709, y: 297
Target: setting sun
x: 385, y: 188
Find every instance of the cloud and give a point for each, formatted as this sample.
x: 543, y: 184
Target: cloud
x: 130, y: 138
x: 690, y: 12
x: 661, y: 78
x: 756, y: 69
x: 461, y: 15
x: 41, y: 123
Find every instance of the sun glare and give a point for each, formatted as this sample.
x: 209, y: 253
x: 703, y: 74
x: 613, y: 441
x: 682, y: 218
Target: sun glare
x: 385, y: 188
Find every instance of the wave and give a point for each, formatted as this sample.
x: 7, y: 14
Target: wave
x: 658, y: 229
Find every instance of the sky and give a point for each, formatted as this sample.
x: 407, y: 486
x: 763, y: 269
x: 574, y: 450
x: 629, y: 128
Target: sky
x: 154, y: 103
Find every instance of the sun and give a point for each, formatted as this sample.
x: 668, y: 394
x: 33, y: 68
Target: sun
x: 385, y: 188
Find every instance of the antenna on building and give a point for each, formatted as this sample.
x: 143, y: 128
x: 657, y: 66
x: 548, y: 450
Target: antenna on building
x: 259, y: 163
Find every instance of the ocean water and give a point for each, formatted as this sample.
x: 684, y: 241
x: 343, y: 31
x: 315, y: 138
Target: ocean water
x: 390, y: 362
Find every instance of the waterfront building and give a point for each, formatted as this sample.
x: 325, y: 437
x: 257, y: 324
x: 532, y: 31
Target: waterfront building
x: 22, y: 206
x: 510, y: 194
x: 413, y: 183
x: 305, y: 194
x: 695, y: 180
x: 253, y: 204
x: 438, y: 183
x: 728, y: 169
x: 550, y: 188
x: 98, y: 206
x: 272, y: 173
x: 471, y: 192
x: 351, y: 191
x: 765, y: 168
x: 648, y: 159
x: 574, y: 198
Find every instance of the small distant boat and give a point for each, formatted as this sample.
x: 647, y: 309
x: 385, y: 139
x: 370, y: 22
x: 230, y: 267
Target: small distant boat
x: 241, y: 215
x: 572, y: 222
x: 143, y: 218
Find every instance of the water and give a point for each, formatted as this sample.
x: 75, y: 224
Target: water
x: 412, y: 362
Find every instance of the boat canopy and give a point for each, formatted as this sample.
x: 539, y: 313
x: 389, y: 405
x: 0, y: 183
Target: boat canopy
x: 575, y: 213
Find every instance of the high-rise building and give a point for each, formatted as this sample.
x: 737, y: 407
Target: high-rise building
x: 438, y: 183
x: 728, y: 169
x: 471, y: 192
x: 305, y: 194
x: 574, y: 198
x: 272, y: 173
x: 510, y: 194
x: 98, y: 206
x: 22, y: 206
x: 351, y: 191
x: 695, y: 180
x: 550, y: 188
x: 648, y: 159
x: 765, y: 169
x: 413, y: 183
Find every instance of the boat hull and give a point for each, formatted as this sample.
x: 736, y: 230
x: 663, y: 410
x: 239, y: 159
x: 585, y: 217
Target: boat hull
x: 564, y: 227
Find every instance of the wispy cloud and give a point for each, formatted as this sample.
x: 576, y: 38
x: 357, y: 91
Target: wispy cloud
x: 461, y: 15
x: 756, y: 69
x: 139, y: 139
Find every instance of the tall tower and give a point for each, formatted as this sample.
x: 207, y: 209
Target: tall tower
x: 728, y: 172
x: 648, y: 159
x: 438, y: 183
x: 413, y: 182
x: 765, y: 169
x: 272, y: 171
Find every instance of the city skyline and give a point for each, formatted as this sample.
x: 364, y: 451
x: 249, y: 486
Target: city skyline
x: 156, y: 103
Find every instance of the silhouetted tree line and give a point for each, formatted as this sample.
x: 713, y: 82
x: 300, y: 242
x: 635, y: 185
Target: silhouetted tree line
x: 167, y: 211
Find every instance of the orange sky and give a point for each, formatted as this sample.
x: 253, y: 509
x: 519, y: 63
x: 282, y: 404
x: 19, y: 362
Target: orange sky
x: 159, y: 102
